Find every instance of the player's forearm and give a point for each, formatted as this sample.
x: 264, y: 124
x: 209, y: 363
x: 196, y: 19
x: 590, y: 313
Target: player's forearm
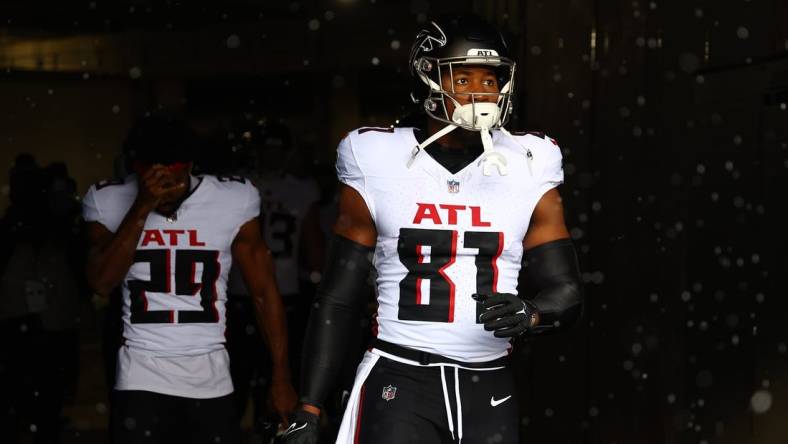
x: 340, y: 298
x: 271, y: 319
x: 108, y: 265
x: 553, y: 274
x: 328, y: 331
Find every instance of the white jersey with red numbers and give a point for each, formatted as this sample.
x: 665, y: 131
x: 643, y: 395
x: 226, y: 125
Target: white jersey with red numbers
x: 443, y: 237
x: 175, y: 291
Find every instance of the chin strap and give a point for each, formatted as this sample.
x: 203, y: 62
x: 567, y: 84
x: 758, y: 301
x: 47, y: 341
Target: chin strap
x: 491, y: 158
x: 418, y: 148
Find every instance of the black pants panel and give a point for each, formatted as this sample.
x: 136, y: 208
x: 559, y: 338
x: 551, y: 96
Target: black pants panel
x: 404, y: 403
x: 152, y: 418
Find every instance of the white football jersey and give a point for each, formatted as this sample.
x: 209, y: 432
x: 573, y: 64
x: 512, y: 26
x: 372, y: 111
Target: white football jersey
x: 174, y: 293
x: 284, y: 200
x: 443, y: 237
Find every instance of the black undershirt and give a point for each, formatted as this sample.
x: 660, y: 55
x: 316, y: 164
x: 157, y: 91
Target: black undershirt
x: 452, y: 158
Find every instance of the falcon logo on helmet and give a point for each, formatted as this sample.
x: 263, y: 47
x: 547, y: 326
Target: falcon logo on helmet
x: 428, y: 41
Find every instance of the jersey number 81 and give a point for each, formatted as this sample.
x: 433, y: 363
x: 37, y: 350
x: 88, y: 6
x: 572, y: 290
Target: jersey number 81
x: 413, y: 247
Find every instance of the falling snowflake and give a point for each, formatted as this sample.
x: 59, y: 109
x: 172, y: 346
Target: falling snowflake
x: 689, y: 62
x: 628, y: 365
x: 761, y: 401
x: 233, y: 41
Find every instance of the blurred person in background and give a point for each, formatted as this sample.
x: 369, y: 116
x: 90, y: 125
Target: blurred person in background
x: 266, y: 154
x: 167, y: 238
x: 42, y: 299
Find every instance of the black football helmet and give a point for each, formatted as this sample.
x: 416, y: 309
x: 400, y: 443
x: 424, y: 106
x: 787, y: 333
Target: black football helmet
x: 461, y: 40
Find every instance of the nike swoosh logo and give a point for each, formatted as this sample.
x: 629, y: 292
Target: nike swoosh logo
x: 292, y: 429
x: 495, y: 403
x: 345, y: 396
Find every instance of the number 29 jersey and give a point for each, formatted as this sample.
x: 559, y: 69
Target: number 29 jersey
x: 444, y: 236
x: 175, y: 291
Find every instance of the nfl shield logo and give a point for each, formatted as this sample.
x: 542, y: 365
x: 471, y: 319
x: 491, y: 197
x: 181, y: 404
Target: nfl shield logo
x: 454, y: 186
x: 389, y: 393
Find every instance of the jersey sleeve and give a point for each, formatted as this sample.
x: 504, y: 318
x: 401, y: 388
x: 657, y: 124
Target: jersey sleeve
x: 252, y: 207
x: 90, y: 207
x: 551, y: 169
x: 350, y: 172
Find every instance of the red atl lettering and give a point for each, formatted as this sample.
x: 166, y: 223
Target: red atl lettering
x: 173, y: 235
x: 452, y: 209
x: 476, y: 217
x: 430, y: 212
x: 193, y: 239
x: 427, y: 211
x: 152, y: 236
x: 157, y: 237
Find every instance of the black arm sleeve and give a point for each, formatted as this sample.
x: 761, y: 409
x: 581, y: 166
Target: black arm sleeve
x: 552, y: 274
x: 340, y: 298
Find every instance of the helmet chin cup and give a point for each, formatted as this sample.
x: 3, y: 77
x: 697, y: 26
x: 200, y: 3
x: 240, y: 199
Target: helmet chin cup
x: 476, y: 116
x: 492, y: 159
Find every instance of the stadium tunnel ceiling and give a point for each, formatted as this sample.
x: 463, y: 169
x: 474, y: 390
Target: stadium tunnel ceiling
x: 164, y: 38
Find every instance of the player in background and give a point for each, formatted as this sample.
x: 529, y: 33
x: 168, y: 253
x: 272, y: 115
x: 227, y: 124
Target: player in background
x: 168, y: 238
x: 449, y: 214
x: 266, y: 155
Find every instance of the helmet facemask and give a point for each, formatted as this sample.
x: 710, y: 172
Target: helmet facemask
x: 440, y: 49
x: 477, y: 114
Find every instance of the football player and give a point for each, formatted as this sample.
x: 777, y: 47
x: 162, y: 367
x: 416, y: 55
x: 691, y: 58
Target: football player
x: 167, y: 238
x: 285, y: 198
x: 448, y: 214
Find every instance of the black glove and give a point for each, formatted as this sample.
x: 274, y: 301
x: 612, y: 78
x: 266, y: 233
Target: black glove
x: 505, y: 314
x: 304, y: 428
